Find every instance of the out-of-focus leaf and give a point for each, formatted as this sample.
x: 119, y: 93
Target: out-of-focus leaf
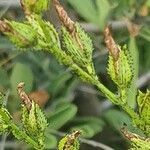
x: 21, y: 73
x: 61, y: 116
x: 96, y: 12
x: 86, y: 9
x: 123, y: 7
x: 5, y: 44
x: 4, y: 80
x: 88, y: 125
x: 117, y: 119
x: 58, y: 83
x: 103, y: 8
x: 132, y: 91
x: 50, y: 142
x: 145, y: 33
x: 148, y: 3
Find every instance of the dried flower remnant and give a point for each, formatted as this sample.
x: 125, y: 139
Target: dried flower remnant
x: 63, y: 16
x: 23, y: 96
x: 72, y: 137
x: 70, y: 142
x: 137, y: 142
x: 4, y: 26
x: 110, y: 44
x: 133, y: 28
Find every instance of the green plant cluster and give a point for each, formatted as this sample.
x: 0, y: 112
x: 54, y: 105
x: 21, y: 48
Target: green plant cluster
x: 33, y: 121
x: 74, y: 49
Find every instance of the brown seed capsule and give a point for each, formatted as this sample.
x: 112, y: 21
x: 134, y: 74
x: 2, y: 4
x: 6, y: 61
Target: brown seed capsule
x: 110, y: 44
x: 63, y: 16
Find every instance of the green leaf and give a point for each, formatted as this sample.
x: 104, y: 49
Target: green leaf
x: 103, y: 8
x: 89, y: 14
x: 21, y: 73
x: 58, y: 83
x: 50, y: 142
x: 61, y: 116
x: 87, y: 130
x: 4, y: 80
x: 145, y: 33
x: 117, y: 119
x: 148, y: 3
x: 132, y: 91
x: 89, y: 126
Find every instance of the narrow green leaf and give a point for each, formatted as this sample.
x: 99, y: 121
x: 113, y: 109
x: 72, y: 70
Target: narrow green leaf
x: 89, y: 126
x: 59, y: 83
x: 145, y: 33
x: 117, y: 119
x: 132, y: 91
x: 50, y: 142
x: 60, y: 117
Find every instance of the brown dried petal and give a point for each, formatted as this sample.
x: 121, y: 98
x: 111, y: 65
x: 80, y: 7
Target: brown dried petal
x: 63, y: 16
x: 23, y: 96
x: 110, y: 44
x: 4, y: 27
x: 133, y: 28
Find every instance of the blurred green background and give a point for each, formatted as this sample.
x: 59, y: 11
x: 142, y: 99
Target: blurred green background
x: 69, y: 103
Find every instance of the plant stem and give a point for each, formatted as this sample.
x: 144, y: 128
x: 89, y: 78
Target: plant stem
x: 130, y: 112
x: 108, y: 94
x: 93, y: 79
x: 67, y: 60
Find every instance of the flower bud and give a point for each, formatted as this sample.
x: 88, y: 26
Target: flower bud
x: 21, y: 34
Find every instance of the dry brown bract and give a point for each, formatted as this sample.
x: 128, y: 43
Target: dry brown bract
x: 110, y: 44
x: 63, y: 16
x: 23, y: 96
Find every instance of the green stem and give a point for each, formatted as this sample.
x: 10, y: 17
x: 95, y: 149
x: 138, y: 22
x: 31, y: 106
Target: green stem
x: 124, y: 104
x: 67, y: 60
x: 108, y: 94
x: 130, y: 112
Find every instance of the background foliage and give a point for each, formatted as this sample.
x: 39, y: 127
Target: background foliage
x: 66, y: 101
